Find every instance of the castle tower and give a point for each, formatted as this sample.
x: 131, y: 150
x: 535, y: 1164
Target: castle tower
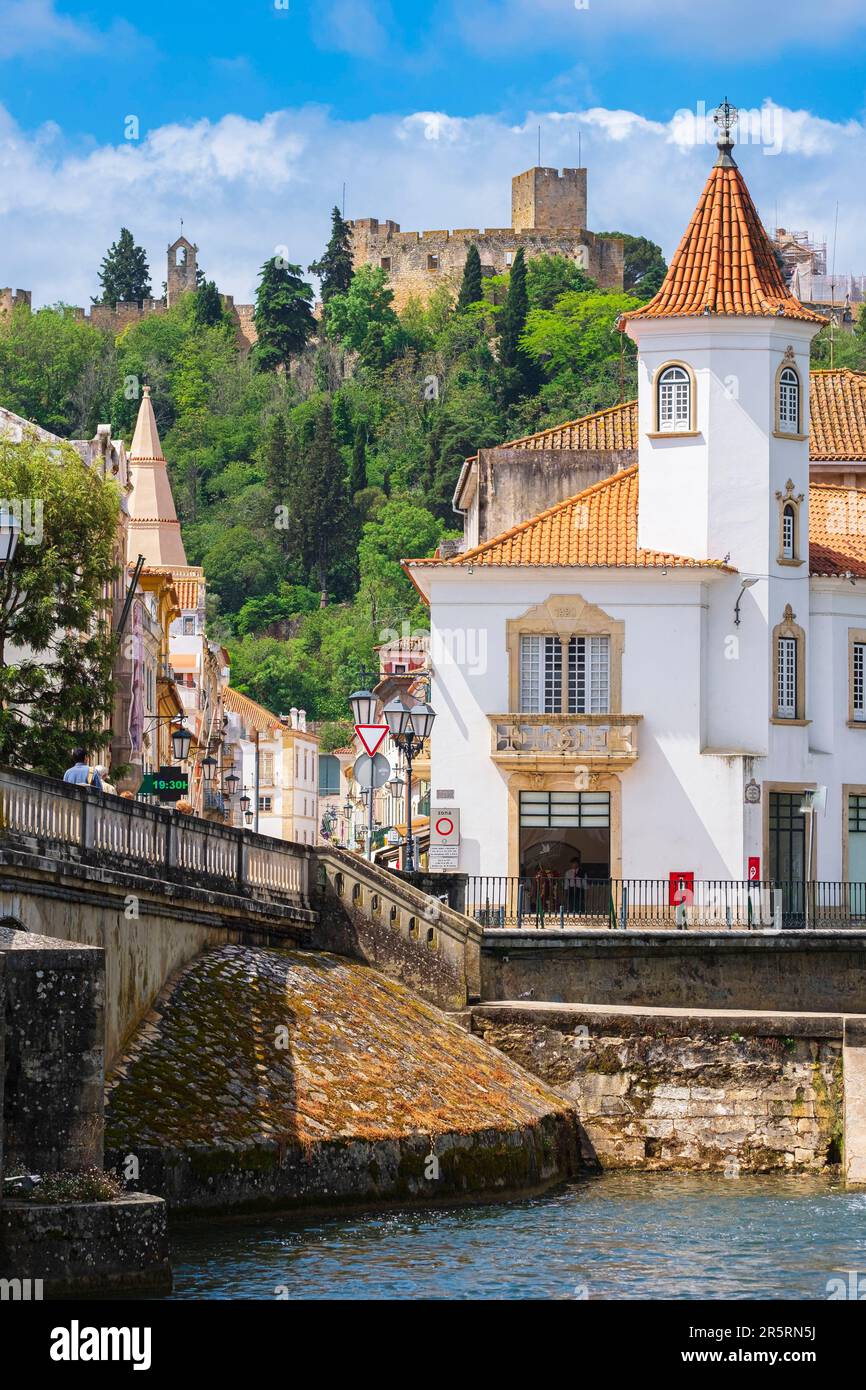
x: 545, y: 199
x: 154, y: 530
x: 181, y: 269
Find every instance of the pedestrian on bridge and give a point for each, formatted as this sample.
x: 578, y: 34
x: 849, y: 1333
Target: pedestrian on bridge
x: 81, y: 774
x: 102, y: 774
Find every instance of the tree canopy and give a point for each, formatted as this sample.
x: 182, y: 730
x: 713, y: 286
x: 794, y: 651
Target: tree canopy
x: 124, y: 274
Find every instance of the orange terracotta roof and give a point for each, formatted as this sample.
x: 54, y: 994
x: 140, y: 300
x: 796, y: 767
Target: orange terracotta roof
x: 837, y: 407
x: 254, y: 715
x: 598, y: 527
x: 837, y: 530
x: 614, y: 428
x: 724, y: 263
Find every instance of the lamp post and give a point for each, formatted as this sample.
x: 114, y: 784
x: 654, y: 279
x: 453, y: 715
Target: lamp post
x: 409, y: 728
x: 231, y: 783
x: 245, y: 803
x: 364, y: 703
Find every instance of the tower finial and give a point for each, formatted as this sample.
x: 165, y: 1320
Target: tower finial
x: 725, y: 118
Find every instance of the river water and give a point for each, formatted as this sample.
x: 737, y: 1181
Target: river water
x: 614, y: 1236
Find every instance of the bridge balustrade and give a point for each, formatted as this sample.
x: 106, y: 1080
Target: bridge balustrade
x: 73, y: 822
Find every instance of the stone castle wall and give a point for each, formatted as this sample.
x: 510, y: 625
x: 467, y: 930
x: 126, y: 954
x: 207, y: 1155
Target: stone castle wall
x: 418, y: 262
x: 548, y: 217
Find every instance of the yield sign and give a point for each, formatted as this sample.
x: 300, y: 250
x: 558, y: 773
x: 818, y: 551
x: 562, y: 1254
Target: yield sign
x: 371, y: 735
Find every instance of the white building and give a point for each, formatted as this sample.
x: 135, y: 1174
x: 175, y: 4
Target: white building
x: 276, y: 759
x: 649, y: 675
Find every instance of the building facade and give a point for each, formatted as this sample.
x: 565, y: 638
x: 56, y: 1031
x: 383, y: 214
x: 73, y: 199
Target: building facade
x: 276, y: 759
x: 648, y: 677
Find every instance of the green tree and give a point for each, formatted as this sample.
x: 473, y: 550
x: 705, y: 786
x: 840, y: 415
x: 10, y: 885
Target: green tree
x: 548, y: 277
x: 240, y: 566
x: 319, y: 521
x: 283, y: 317
x: 124, y: 274
x: 56, y: 646
x: 358, y: 475
x: 56, y: 370
x: 518, y: 374
x: 364, y: 320
x: 335, y: 266
x: 208, y: 305
x: 644, y: 266
x: 471, y: 287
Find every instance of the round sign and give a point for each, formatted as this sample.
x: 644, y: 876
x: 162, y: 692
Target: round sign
x: 444, y: 825
x: 371, y: 773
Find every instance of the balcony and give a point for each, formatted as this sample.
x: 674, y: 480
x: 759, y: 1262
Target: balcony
x: 550, y: 741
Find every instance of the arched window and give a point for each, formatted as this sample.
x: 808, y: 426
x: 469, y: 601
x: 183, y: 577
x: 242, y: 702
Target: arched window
x: 674, y: 400
x: 789, y: 401
x: 790, y: 545
x: 789, y: 531
x: 789, y: 662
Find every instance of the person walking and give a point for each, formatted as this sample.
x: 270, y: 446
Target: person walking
x: 81, y: 774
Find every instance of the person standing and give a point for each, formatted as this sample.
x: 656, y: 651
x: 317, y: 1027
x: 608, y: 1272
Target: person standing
x: 102, y: 774
x: 81, y: 774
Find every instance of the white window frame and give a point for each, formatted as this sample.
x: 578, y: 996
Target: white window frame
x: 540, y: 674
x: 589, y: 674
x: 858, y: 693
x: 674, y: 400
x: 789, y: 531
x: 789, y: 401
x: 786, y: 691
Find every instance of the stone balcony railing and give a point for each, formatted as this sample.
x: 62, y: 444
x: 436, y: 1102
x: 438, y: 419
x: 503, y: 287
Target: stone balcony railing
x: 551, y: 740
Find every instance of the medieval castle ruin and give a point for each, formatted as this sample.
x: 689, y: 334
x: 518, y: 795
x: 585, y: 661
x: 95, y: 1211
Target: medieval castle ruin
x: 180, y: 278
x: 548, y: 216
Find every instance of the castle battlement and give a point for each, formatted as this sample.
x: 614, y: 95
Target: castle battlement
x: 548, y: 211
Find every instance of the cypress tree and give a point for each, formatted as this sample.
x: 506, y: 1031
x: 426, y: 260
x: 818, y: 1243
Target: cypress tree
x: 358, y: 475
x: 208, y: 308
x: 518, y: 372
x: 321, y: 505
x: 283, y: 317
x: 124, y: 274
x: 335, y: 267
x: 471, y: 290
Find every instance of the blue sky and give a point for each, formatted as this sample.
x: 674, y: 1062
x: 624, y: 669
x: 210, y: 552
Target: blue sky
x: 80, y: 64
x: 252, y: 114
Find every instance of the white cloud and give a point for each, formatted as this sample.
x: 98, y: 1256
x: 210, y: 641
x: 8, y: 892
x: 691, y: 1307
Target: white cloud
x: 353, y: 26
x: 674, y: 25
x: 31, y: 27
x: 244, y: 187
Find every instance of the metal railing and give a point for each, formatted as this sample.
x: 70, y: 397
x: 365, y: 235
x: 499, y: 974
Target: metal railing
x: 89, y: 827
x: 663, y: 904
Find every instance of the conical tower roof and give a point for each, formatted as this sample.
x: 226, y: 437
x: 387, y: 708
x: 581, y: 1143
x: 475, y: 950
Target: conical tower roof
x: 154, y: 530
x: 725, y: 262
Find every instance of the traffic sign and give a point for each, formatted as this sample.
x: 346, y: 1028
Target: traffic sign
x: 371, y: 736
x: 169, y: 784
x: 371, y: 773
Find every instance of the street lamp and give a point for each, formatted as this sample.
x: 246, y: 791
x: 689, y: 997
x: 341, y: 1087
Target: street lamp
x: 248, y: 817
x: 10, y: 530
x: 245, y: 803
x: 181, y: 739
x: 409, y: 728
x: 208, y: 766
x: 232, y: 783
x: 363, y: 704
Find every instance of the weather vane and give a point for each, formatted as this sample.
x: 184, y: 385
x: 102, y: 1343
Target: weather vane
x: 725, y: 118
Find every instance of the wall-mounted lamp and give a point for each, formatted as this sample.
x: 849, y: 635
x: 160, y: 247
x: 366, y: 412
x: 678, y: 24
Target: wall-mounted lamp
x: 747, y: 584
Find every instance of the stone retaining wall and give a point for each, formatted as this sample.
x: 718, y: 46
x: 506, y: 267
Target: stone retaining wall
x: 687, y: 1090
